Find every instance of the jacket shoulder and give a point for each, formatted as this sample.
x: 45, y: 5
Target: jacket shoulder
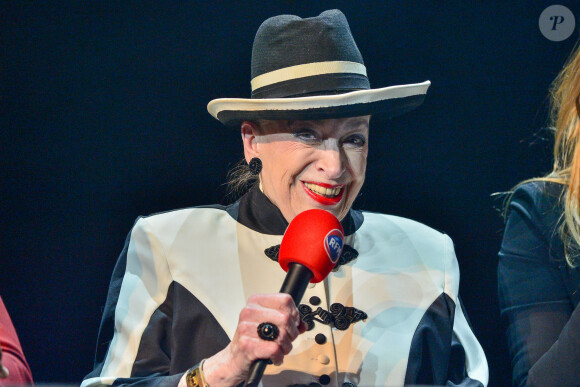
x: 385, y: 223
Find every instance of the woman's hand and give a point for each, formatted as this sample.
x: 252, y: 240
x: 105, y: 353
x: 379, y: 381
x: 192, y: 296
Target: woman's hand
x: 231, y: 366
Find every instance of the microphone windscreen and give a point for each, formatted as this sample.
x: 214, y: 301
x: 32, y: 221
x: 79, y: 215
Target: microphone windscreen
x: 313, y: 239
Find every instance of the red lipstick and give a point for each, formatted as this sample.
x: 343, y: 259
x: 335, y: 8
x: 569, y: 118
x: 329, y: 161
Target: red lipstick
x: 323, y: 199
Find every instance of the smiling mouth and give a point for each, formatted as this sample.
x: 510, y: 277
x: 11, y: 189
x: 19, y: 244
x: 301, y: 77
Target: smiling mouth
x: 324, y: 193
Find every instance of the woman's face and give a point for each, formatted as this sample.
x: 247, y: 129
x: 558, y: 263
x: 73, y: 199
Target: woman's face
x: 310, y: 164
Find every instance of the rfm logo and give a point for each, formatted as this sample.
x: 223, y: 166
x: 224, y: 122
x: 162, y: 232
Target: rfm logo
x: 333, y: 244
x: 557, y: 23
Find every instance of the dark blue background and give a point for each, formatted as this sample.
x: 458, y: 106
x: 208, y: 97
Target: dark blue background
x: 103, y: 118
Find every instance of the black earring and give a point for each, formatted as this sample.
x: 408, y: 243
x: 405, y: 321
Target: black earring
x: 255, y: 166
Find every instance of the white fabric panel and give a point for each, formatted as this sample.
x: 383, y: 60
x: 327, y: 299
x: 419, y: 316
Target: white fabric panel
x: 144, y: 288
x: 451, y: 271
x: 398, y: 275
x: 190, y: 264
x: 94, y: 382
x: 476, y: 362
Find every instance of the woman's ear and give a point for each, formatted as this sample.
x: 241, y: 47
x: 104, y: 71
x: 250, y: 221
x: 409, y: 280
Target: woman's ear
x: 250, y: 140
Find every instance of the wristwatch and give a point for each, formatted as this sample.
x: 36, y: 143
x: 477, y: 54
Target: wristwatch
x: 195, y: 378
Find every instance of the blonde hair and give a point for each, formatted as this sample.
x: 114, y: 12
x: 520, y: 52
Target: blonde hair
x: 565, y: 119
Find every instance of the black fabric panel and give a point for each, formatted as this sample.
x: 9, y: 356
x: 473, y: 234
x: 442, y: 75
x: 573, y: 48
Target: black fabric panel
x: 560, y: 366
x: 352, y: 222
x: 255, y: 211
x: 281, y: 41
x: 385, y: 109
x: 163, y: 351
x: 325, y: 84
x: 193, y: 320
x: 457, y: 372
x: 430, y: 351
x: 432, y: 361
x: 258, y: 213
x: 163, y: 356
x: 154, y: 353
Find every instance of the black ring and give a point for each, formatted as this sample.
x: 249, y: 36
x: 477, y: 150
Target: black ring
x: 268, y: 331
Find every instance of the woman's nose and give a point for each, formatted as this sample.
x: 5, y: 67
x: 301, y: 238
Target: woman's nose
x: 331, y: 163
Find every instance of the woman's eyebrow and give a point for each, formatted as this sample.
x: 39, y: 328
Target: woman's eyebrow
x: 360, y: 120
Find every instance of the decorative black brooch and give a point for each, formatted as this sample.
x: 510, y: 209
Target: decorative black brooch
x: 339, y: 316
x: 272, y: 252
x: 348, y: 254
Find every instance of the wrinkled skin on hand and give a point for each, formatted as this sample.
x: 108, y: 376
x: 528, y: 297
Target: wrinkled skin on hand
x: 231, y: 365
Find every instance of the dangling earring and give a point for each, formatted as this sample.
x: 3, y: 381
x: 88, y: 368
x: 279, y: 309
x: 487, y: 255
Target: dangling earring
x: 255, y: 166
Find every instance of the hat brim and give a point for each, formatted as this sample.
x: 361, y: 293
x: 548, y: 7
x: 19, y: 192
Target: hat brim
x: 387, y: 101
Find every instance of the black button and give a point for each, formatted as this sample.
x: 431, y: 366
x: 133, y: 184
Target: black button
x: 320, y: 339
x: 324, y: 380
x: 315, y: 300
x: 348, y: 384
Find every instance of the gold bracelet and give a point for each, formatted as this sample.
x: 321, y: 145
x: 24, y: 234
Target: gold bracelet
x: 195, y: 377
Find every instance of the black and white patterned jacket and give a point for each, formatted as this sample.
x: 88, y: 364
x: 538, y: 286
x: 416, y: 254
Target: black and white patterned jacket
x: 183, y: 277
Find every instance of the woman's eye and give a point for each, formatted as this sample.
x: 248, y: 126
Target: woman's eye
x: 355, y: 140
x: 306, y: 135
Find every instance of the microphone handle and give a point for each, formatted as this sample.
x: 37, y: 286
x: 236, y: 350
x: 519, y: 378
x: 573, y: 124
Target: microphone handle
x: 296, y: 281
x: 294, y: 284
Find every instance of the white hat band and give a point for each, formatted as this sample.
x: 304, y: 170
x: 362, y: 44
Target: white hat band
x: 307, y: 70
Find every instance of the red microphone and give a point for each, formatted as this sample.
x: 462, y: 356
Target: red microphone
x: 309, y: 250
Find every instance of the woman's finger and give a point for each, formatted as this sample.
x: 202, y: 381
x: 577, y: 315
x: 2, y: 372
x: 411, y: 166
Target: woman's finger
x: 278, y: 301
x: 288, y: 324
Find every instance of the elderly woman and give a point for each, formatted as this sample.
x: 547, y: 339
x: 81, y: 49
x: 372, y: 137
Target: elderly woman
x: 193, y: 288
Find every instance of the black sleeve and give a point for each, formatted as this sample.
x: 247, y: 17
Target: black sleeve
x: 543, y: 330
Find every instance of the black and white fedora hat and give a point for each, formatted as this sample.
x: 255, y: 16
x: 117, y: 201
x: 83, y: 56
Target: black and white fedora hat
x: 311, y: 68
